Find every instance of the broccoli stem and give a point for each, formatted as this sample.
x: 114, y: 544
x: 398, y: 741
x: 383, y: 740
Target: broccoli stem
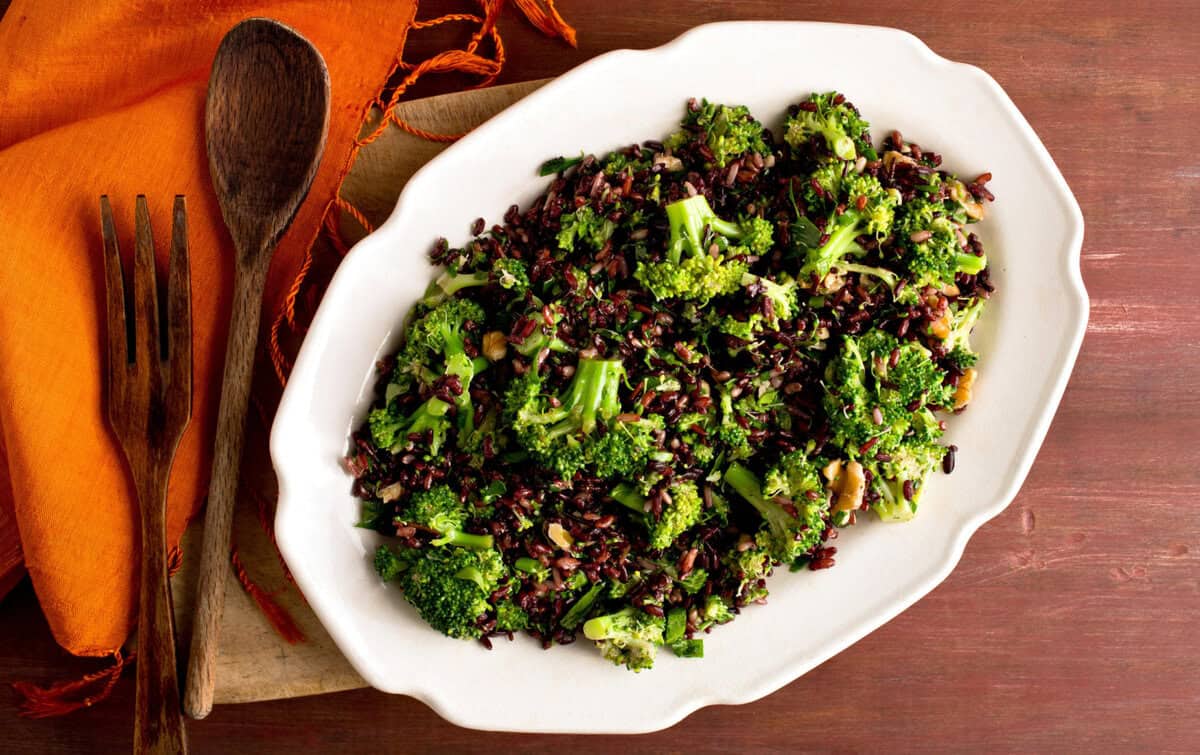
x: 528, y: 565
x: 428, y: 416
x: 970, y: 264
x: 688, y: 219
x: 575, y: 613
x: 886, y: 276
x: 593, y: 394
x: 452, y: 283
x: 840, y: 243
x: 748, y: 486
x: 472, y: 574
x: 626, y: 495
x: 464, y: 540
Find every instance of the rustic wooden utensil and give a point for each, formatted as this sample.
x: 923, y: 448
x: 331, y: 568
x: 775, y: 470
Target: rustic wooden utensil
x: 149, y: 405
x: 266, y: 121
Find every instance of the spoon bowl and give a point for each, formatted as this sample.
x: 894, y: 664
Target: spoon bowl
x: 265, y: 123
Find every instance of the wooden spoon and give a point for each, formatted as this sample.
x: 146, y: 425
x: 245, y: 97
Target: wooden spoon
x: 266, y: 121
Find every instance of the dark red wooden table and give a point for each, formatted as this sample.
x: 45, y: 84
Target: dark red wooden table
x: 1073, y: 619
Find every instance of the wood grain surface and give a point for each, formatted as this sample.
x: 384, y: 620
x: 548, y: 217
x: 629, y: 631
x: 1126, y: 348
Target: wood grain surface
x: 1070, y: 622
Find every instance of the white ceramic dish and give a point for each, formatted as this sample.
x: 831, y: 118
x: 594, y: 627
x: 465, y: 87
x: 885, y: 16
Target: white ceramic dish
x: 1029, y: 337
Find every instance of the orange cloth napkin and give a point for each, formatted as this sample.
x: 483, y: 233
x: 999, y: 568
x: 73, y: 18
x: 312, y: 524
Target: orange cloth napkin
x: 108, y: 98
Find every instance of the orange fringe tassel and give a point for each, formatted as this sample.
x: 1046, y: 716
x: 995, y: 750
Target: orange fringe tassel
x: 279, y: 617
x: 547, y: 19
x: 68, y: 697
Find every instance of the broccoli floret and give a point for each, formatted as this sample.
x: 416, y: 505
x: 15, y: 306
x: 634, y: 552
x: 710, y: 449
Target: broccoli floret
x: 931, y: 244
x: 440, y: 510
x: 451, y: 587
x: 845, y: 133
x: 729, y: 131
x: 434, y: 343
x: 695, y: 278
x: 689, y: 271
x: 557, y: 435
x: 389, y: 564
x: 694, y: 581
x: 913, y: 461
x: 958, y: 344
x: 628, y: 637
x: 390, y: 432
x: 690, y: 219
x: 744, y: 330
x: 585, y: 226
x: 510, y: 274
x: 869, y: 209
x: 795, y: 476
x: 510, y: 617
x: 625, y: 449
x: 868, y: 393
x: 682, y: 509
x: 751, y: 566
x: 793, y: 525
x: 694, y: 429
x: 716, y: 611
x: 782, y: 293
x: 730, y: 433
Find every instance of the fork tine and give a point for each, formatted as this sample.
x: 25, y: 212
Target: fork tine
x: 119, y: 351
x: 179, y: 310
x: 145, y: 290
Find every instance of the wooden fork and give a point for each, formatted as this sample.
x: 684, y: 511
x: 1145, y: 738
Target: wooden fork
x: 149, y: 405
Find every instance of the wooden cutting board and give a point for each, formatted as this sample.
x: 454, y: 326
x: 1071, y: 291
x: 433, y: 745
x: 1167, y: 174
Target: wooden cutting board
x: 255, y: 663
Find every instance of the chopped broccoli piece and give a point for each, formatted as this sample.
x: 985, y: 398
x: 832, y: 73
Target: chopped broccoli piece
x: 682, y: 509
x: 579, y: 611
x: 782, y: 293
x: 532, y: 567
x: 558, y: 165
x: 844, y: 132
x: 864, y: 377
x: 689, y: 270
x: 389, y: 564
x: 716, y: 611
x: 751, y: 566
x: 958, y: 343
x: 544, y: 336
x: 931, y: 243
x: 559, y: 435
x: 507, y: 273
x: 510, y: 617
x: 880, y: 404
x: 628, y: 637
x: 728, y: 131
x: 626, y: 448
x: 440, y: 510
x: 585, y: 226
x: 793, y: 525
x: 869, y: 209
x: 435, y: 343
x: 451, y: 587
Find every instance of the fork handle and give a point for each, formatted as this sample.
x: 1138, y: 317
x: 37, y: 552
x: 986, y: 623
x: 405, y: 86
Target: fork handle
x: 218, y: 519
x: 158, y: 720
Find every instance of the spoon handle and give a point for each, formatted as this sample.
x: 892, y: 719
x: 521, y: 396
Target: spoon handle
x: 218, y: 519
